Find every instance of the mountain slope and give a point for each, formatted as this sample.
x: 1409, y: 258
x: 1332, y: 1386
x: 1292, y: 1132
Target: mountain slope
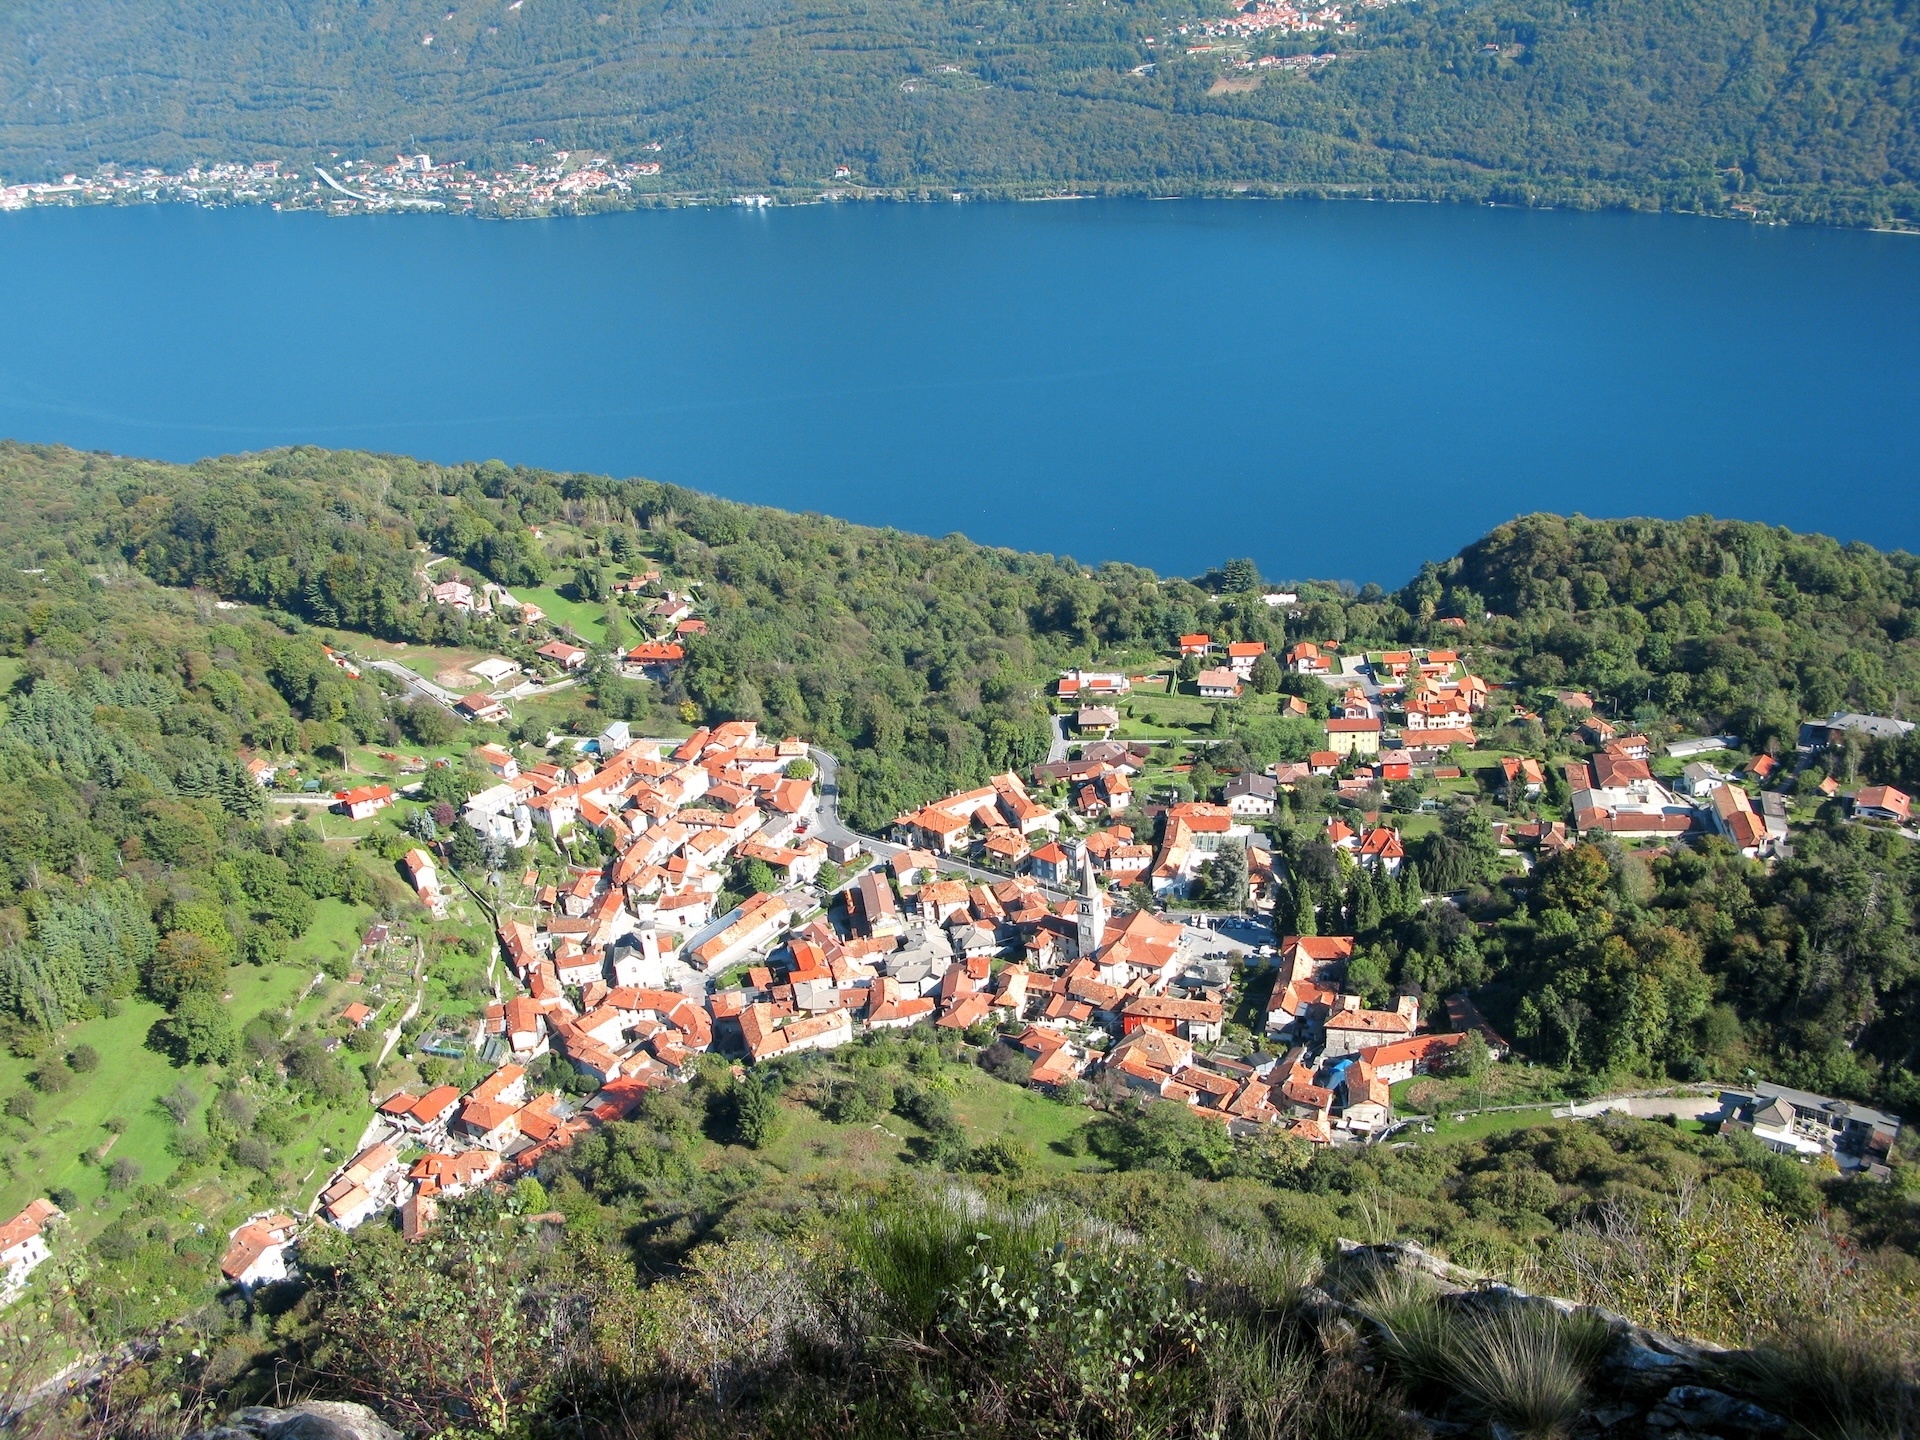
x: 1799, y: 108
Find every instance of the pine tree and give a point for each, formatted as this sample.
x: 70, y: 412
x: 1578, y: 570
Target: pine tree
x: 1365, y: 902
x: 1304, y: 921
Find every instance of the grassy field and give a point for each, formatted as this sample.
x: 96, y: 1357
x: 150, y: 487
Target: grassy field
x: 69, y: 1144
x: 1448, y: 1131
x: 334, y: 936
x: 588, y: 621
x: 985, y: 1107
x: 988, y: 1107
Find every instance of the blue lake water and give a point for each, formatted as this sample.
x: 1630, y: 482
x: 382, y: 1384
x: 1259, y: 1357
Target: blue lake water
x: 1339, y: 390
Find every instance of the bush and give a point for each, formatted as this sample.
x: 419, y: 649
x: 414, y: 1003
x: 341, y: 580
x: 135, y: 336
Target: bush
x: 1830, y: 1380
x: 123, y: 1174
x: 84, y: 1059
x: 52, y: 1076
x: 22, y: 1104
x: 1525, y: 1365
x: 1006, y: 1062
x: 254, y: 1153
x: 758, y: 1118
x: 1001, y: 1155
x: 859, y: 1100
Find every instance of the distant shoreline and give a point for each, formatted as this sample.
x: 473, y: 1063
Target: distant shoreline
x: 332, y: 199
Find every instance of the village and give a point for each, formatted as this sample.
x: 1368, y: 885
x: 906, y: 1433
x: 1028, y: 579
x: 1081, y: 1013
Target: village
x: 999, y: 914
x: 1024, y: 913
x: 558, y: 181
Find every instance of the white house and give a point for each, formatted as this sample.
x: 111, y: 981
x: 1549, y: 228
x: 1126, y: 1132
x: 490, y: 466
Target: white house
x: 257, y: 1253
x: 23, y: 1242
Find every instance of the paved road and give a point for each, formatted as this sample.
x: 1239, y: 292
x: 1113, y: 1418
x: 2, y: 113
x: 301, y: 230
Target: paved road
x: 415, y: 683
x: 1057, y: 751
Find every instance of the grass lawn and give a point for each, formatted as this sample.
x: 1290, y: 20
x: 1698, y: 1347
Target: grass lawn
x: 587, y: 621
x: 334, y: 935
x: 65, y: 1143
x: 989, y: 1107
x: 1412, y: 827
x: 1478, y: 759
x: 984, y: 1106
x: 1448, y: 1131
x: 811, y: 1145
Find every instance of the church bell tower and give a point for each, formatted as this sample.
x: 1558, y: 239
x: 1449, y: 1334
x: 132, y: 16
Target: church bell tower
x: 1093, y: 909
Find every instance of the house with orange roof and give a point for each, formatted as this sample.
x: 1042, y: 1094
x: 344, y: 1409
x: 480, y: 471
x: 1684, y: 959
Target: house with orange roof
x: 1241, y: 655
x: 23, y: 1242
x: 1352, y: 1027
x: 481, y: 707
x: 1199, y: 1021
x: 257, y: 1250
x: 363, y: 801
x: 1306, y: 658
x: 1381, y: 850
x: 1218, y: 684
x: 1397, y: 1060
x: 1366, y: 1099
x: 754, y: 925
x: 1081, y: 684
x: 1883, y: 802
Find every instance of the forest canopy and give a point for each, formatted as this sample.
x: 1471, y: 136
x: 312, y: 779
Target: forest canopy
x: 1790, y: 109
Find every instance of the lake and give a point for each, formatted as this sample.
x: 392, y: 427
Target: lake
x: 1340, y: 390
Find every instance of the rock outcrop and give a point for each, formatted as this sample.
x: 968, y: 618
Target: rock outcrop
x: 308, y: 1420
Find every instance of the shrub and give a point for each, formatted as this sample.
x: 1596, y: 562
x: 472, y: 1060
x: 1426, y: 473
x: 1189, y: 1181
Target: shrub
x: 1000, y: 1155
x: 1525, y: 1365
x: 1006, y: 1062
x: 52, y: 1076
x: 758, y: 1117
x: 84, y: 1059
x: 860, y: 1099
x: 22, y: 1104
x: 1833, y: 1381
x: 123, y: 1174
x: 254, y: 1153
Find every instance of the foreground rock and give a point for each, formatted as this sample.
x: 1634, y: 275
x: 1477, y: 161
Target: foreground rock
x: 309, y: 1420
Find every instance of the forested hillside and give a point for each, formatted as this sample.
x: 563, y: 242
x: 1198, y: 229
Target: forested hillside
x: 1803, y: 110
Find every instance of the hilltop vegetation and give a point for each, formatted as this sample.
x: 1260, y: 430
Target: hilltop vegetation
x: 1802, y: 110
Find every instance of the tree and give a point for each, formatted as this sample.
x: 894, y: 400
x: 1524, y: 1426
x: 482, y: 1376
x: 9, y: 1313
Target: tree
x: 1227, y: 875
x: 800, y: 770
x: 1240, y: 576
x: 1189, y: 669
x: 1472, y: 1057
x: 201, y: 1030
x: 185, y: 962
x: 759, y: 1118
x: 1304, y: 920
x: 123, y: 1174
x: 84, y: 1059
x: 428, y: 722
x: 1363, y: 902
x: 1267, y: 675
